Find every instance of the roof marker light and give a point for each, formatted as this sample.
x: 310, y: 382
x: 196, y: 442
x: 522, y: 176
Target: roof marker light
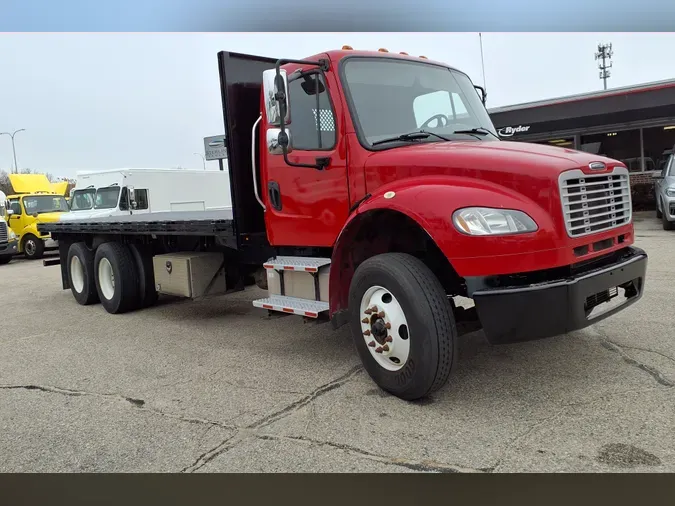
x: 403, y: 53
x: 383, y: 50
x: 424, y: 57
x: 347, y: 48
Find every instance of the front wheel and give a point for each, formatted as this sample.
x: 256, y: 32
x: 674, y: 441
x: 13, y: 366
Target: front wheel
x: 33, y: 248
x: 667, y: 225
x: 402, y: 325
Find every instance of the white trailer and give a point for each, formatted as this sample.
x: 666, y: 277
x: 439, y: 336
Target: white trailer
x: 103, y: 193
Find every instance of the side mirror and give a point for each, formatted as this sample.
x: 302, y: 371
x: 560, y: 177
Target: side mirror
x: 274, y: 88
x: 276, y: 141
x: 657, y: 175
x: 481, y: 93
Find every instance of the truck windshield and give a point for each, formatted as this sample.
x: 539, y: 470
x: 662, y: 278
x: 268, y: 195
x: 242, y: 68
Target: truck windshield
x: 107, y: 198
x: 392, y: 98
x: 82, y: 199
x: 45, y: 204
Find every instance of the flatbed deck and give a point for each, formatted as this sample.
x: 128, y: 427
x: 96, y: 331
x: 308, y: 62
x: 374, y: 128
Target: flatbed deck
x: 208, y: 223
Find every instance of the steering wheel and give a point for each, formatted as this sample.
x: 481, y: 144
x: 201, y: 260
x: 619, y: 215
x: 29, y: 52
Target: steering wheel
x: 441, y: 120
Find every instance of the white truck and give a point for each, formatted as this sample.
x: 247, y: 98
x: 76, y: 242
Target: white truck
x: 103, y: 193
x: 8, y: 242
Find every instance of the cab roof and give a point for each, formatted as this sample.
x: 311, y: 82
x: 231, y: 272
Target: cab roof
x: 25, y: 184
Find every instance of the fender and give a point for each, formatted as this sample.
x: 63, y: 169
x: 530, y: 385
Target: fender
x: 430, y: 202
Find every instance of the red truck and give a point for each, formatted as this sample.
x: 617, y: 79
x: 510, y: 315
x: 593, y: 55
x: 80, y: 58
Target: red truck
x: 371, y: 189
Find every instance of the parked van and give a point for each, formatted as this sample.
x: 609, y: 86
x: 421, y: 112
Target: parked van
x: 104, y: 193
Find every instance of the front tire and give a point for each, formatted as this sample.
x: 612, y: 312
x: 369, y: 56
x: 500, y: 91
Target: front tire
x: 402, y: 325
x: 81, y: 278
x: 33, y: 248
x: 667, y: 225
x: 5, y: 259
x: 658, y: 211
x: 116, y: 278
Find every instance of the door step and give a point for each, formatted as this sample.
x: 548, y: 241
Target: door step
x: 306, y: 264
x: 292, y: 305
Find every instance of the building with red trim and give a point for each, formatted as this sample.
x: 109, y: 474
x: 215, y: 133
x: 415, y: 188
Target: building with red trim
x: 634, y: 124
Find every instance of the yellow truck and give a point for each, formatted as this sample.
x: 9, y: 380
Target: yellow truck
x: 34, y: 201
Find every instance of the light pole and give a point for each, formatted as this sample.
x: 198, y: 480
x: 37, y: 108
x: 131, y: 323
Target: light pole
x: 16, y: 167
x: 203, y: 159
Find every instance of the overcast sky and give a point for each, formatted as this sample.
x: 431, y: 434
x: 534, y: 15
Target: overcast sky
x: 102, y: 100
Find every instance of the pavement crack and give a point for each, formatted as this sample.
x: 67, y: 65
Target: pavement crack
x: 73, y: 393
x: 294, y: 406
x: 652, y: 371
x: 639, y: 348
x: 423, y: 465
x: 214, y: 452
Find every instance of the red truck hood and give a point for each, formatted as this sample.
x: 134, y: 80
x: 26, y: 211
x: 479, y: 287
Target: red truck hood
x: 529, y: 169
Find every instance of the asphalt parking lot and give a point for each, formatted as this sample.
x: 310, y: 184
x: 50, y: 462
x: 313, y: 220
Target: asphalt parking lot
x: 218, y: 386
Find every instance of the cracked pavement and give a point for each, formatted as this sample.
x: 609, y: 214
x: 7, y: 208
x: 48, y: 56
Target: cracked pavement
x: 217, y: 386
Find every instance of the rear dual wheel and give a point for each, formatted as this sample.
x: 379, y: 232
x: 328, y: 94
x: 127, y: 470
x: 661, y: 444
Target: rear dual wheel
x: 402, y: 324
x: 117, y: 275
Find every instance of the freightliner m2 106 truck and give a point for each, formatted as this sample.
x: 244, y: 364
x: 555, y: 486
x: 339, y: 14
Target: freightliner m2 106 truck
x: 371, y: 189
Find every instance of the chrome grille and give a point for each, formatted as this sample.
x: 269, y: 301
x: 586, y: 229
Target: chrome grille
x: 593, y: 203
x: 3, y: 230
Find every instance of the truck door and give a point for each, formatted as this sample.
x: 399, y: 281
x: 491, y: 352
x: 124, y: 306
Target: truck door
x: 306, y: 206
x: 16, y: 219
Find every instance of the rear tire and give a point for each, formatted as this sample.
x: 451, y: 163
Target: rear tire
x: 33, y: 248
x: 5, y: 260
x: 116, y: 277
x: 80, y: 268
x: 146, y: 275
x: 418, y: 312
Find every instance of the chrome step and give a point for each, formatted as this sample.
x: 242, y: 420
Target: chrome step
x: 292, y: 305
x: 306, y: 264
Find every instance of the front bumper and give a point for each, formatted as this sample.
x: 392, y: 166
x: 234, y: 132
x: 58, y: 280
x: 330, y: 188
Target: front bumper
x: 9, y: 248
x: 527, y: 311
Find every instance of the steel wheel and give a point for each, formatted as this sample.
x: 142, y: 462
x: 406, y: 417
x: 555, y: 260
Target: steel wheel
x: 77, y: 274
x: 385, y: 328
x: 106, y: 278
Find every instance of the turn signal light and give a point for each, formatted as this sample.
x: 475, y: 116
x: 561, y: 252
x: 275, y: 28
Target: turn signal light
x: 347, y: 48
x: 383, y: 50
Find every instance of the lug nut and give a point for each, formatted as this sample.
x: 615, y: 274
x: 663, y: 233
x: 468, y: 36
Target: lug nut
x: 371, y: 344
x: 385, y: 347
x: 373, y: 309
x: 381, y: 314
x: 378, y: 349
x: 368, y: 311
x: 388, y: 339
x: 366, y: 333
x: 365, y: 320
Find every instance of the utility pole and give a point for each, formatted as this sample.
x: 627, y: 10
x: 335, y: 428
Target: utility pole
x: 604, y: 57
x: 203, y: 159
x: 16, y: 167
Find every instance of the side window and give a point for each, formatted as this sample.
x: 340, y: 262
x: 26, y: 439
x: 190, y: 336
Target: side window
x: 124, y: 200
x: 141, y: 199
x: 312, y: 122
x: 15, y: 206
x: 432, y: 104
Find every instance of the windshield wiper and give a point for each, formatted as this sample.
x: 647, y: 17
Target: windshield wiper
x: 474, y: 131
x: 409, y: 137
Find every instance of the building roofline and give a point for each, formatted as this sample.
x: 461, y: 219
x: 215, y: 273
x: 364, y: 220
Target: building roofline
x: 635, y: 88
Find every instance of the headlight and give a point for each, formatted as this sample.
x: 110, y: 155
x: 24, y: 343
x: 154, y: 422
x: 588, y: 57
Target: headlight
x: 12, y: 235
x: 670, y: 191
x: 488, y: 221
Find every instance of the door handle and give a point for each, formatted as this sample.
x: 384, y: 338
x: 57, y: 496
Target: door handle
x: 274, y: 193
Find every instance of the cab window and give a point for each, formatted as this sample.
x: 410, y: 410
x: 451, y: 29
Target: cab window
x: 312, y: 121
x: 15, y: 206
